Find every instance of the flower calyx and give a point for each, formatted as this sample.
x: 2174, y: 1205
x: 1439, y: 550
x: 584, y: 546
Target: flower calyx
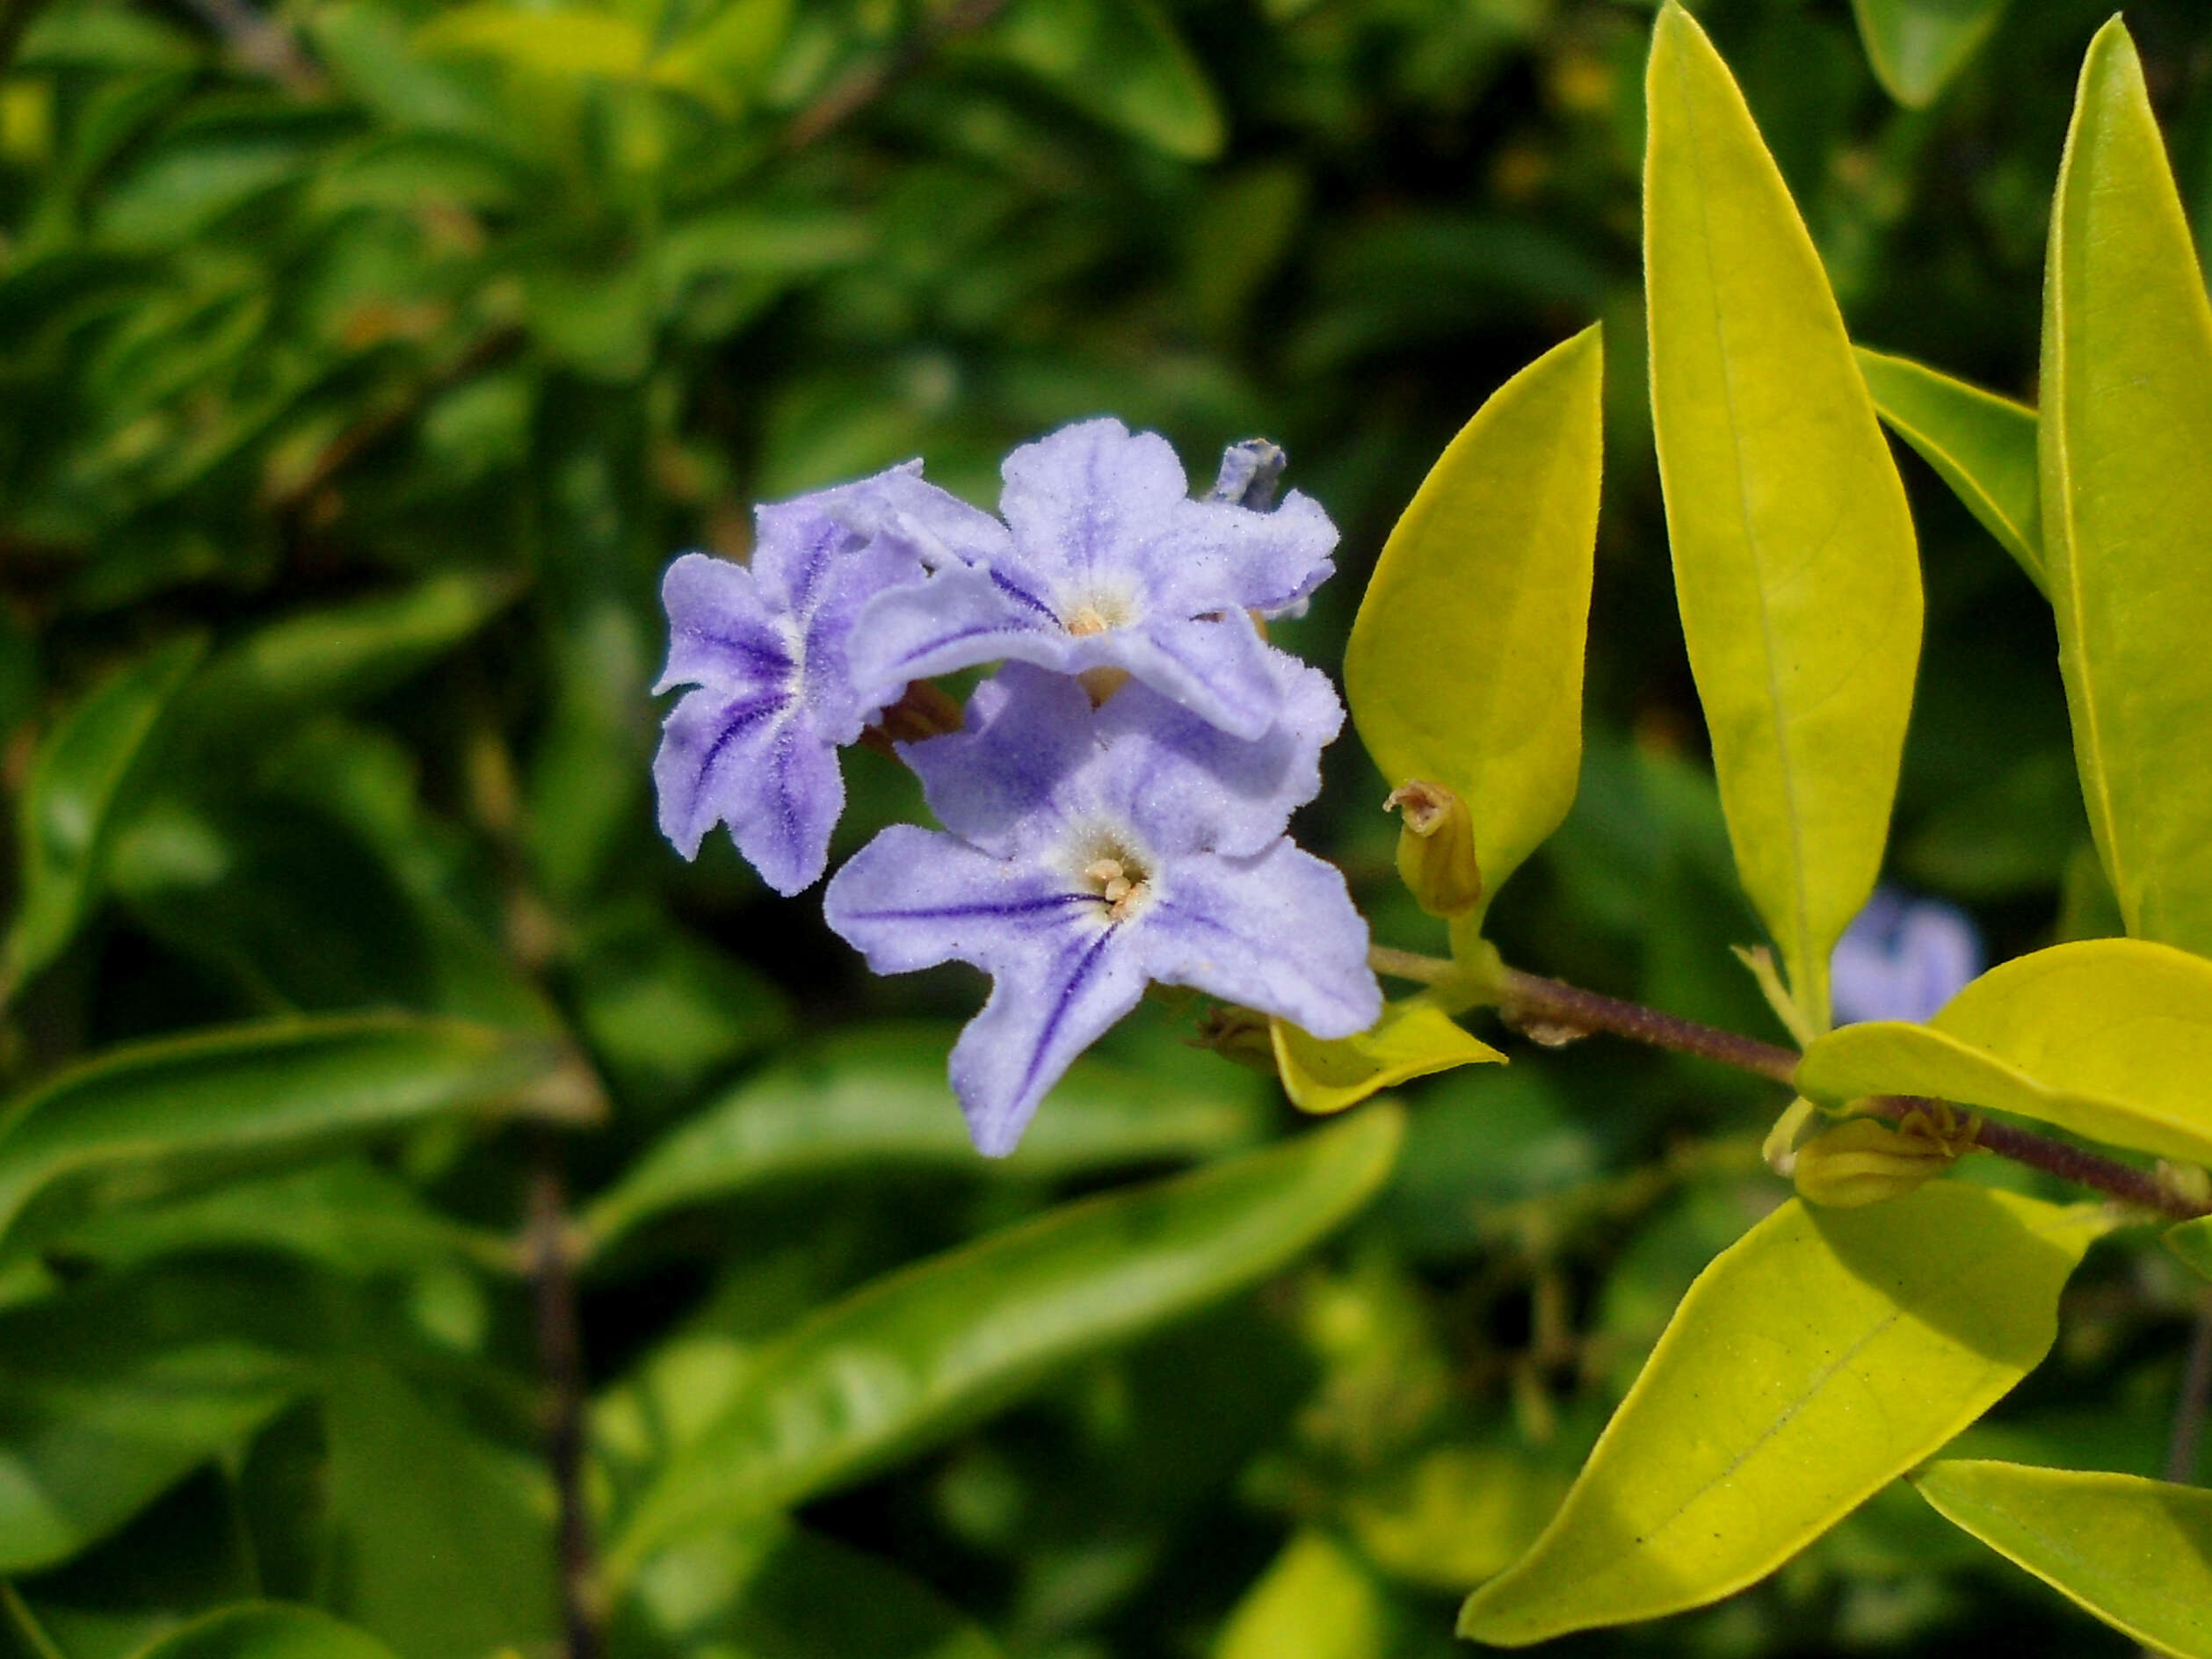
x: 1436, y: 848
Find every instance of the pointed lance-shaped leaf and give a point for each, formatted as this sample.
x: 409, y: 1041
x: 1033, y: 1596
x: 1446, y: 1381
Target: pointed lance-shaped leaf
x: 1465, y: 662
x: 1917, y: 46
x: 1794, y: 557
x: 2126, y: 434
x: 2137, y: 1553
x: 912, y: 1357
x: 1818, y: 1358
x: 2108, y: 1038
x: 1980, y: 445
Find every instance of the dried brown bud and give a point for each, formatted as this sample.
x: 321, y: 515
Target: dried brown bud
x: 1436, y: 848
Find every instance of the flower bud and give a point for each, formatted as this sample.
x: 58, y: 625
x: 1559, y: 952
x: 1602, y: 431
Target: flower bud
x: 1436, y: 848
x: 1864, y: 1161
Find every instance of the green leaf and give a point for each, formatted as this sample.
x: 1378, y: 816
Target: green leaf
x: 69, y: 803
x: 2109, y: 1039
x: 350, y: 1218
x: 143, y: 1120
x: 1465, y: 663
x: 447, y: 1542
x: 1456, y: 1516
x: 2127, y: 398
x: 878, y: 1097
x: 1917, y: 46
x: 667, y: 1014
x: 268, y: 1630
x: 1413, y: 1039
x: 1794, y: 557
x: 1314, y: 1602
x: 339, y: 655
x: 2137, y: 1553
x: 778, y: 1592
x: 1980, y: 445
x: 2192, y: 1242
x: 1814, y: 1361
x: 912, y: 1357
x: 112, y: 1392
x: 1120, y: 60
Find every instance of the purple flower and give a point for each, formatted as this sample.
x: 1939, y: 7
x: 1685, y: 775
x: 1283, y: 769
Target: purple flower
x: 1090, y: 851
x: 1105, y: 562
x: 755, y: 746
x: 1903, y: 958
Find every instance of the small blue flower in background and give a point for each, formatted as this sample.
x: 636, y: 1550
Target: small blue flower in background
x: 1105, y: 562
x: 768, y: 645
x: 1903, y: 957
x: 1091, y: 850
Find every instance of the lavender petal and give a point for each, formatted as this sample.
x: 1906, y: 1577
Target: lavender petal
x: 1277, y: 932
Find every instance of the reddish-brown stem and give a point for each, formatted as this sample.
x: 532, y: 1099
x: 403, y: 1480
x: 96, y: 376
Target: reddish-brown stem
x: 1531, y: 1000
x: 561, y: 1365
x: 2083, y: 1167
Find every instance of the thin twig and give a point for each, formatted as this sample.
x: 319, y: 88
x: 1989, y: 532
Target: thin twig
x: 2188, y: 1409
x: 1529, y: 999
x: 25, y: 1624
x: 1533, y: 1002
x: 2067, y: 1162
x: 855, y: 92
x: 1411, y: 965
x: 561, y: 1362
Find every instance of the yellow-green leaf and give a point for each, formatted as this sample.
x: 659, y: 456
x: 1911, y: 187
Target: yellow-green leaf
x: 2110, y: 1039
x: 1465, y: 663
x: 1917, y: 46
x: 1980, y: 445
x: 1817, y: 1359
x: 2127, y: 428
x: 1315, y: 1602
x: 562, y: 44
x: 1794, y: 557
x: 1413, y: 1039
x: 2137, y: 1553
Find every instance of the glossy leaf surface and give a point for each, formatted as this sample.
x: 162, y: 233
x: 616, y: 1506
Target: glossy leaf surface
x: 1980, y: 445
x: 881, y: 1098
x: 1814, y: 1361
x: 938, y: 1344
x: 2110, y: 1039
x: 1917, y: 46
x: 2137, y: 1553
x: 1465, y: 663
x: 1794, y: 554
x: 149, y: 1116
x: 67, y: 803
x: 1414, y: 1039
x: 2127, y: 401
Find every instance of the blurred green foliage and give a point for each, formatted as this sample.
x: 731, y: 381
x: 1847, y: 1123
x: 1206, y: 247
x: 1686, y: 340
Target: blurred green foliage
x: 361, y: 364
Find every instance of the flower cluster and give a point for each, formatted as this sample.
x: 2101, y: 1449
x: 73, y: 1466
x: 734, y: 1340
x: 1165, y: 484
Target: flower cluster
x: 1115, y: 804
